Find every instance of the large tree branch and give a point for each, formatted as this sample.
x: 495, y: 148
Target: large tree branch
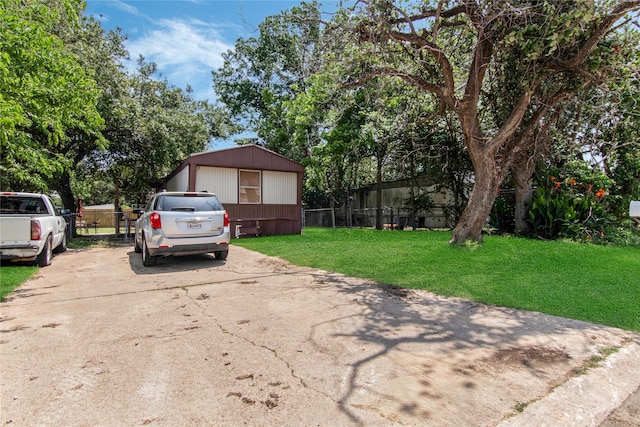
x: 410, y: 78
x: 433, y: 13
x: 519, y: 146
x: 481, y: 58
x: 510, y: 126
x: 437, y: 54
x: 599, y: 32
x: 551, y: 101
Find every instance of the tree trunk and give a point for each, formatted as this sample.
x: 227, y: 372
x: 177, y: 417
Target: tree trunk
x: 379, y: 193
x: 523, y: 187
x: 68, y: 201
x: 116, y: 204
x: 412, y: 190
x: 66, y: 194
x: 485, y: 190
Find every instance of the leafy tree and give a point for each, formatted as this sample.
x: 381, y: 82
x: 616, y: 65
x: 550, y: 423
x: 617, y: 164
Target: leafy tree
x: 363, y: 134
x: 151, y: 128
x: 45, y: 92
x: 599, y: 125
x: 446, y: 49
x: 611, y: 129
x: 70, y: 110
x: 263, y: 73
x: 101, y: 54
x: 330, y: 122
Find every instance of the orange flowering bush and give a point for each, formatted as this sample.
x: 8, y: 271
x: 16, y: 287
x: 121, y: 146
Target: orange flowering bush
x: 568, y: 207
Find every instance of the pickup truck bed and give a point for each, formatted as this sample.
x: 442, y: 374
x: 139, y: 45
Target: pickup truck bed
x: 31, y: 228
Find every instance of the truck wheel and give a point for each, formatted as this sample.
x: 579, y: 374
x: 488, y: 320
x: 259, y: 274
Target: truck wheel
x: 44, y: 258
x: 147, y: 260
x: 221, y: 255
x: 62, y: 247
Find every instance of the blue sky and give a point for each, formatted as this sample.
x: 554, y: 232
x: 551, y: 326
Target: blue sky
x: 186, y: 39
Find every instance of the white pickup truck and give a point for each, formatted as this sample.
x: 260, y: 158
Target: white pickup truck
x: 31, y: 228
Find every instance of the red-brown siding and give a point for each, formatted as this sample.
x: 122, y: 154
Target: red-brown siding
x: 273, y: 219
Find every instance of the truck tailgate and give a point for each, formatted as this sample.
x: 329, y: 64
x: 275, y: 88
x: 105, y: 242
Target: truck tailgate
x: 14, y: 230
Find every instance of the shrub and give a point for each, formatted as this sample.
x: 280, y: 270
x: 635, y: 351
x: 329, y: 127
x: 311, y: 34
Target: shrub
x: 574, y: 207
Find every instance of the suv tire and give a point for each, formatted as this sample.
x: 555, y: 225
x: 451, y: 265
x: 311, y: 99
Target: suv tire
x: 147, y: 260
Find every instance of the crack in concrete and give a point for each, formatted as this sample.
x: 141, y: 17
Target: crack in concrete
x: 271, y: 350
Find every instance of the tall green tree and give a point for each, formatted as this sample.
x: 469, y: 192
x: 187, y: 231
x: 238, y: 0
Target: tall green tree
x: 378, y: 131
x: 44, y: 92
x: 101, y: 54
x: 447, y: 48
x: 151, y: 128
x: 330, y: 123
x: 601, y: 126
x: 261, y: 74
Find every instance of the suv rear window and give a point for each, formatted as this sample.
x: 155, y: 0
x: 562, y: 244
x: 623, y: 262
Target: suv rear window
x: 189, y: 203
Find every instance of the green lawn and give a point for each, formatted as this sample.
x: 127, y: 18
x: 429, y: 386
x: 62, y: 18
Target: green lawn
x: 11, y: 276
x: 599, y: 284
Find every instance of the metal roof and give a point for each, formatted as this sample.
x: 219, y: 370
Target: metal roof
x: 242, y: 157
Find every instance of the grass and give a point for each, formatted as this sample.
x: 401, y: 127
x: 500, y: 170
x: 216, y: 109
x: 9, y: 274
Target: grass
x: 594, y: 361
x: 598, y: 284
x: 12, y: 276
x: 594, y: 283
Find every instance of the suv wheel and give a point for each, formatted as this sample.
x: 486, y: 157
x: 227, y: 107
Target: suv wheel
x: 136, y: 246
x: 147, y: 260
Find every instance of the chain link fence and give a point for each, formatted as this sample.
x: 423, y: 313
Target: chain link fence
x: 392, y: 218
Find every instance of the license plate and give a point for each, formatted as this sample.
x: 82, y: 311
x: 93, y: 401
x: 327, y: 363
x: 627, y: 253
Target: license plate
x: 194, y: 226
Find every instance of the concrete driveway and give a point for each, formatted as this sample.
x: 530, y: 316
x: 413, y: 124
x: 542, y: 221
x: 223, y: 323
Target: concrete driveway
x: 97, y: 339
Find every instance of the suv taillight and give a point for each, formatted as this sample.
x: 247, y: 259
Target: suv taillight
x: 226, y: 219
x: 35, y: 229
x: 154, y: 218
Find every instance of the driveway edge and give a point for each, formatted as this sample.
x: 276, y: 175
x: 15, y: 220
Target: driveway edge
x: 588, y: 399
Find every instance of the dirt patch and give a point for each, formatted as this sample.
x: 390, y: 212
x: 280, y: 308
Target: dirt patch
x: 627, y: 415
x: 397, y: 291
x: 529, y: 356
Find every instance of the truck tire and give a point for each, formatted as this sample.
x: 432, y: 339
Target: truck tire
x: 221, y: 255
x: 62, y: 247
x: 44, y: 257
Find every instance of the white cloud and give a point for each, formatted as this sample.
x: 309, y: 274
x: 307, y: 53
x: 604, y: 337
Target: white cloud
x: 185, y: 52
x: 126, y: 8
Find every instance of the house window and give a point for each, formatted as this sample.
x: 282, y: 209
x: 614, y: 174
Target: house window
x: 250, y: 186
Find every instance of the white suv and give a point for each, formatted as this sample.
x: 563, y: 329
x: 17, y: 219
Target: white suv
x: 182, y: 223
